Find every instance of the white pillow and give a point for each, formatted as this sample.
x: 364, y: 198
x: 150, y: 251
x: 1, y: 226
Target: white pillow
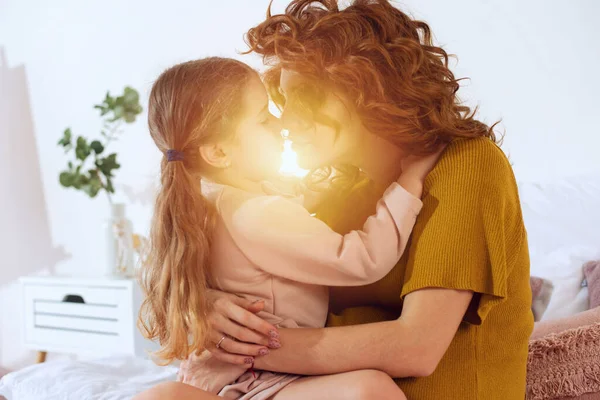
x: 563, y: 267
x: 563, y: 225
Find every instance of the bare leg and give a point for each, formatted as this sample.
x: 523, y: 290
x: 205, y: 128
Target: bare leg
x: 175, y: 391
x: 356, y: 385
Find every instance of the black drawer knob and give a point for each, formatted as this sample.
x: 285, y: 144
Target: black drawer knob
x: 73, y: 298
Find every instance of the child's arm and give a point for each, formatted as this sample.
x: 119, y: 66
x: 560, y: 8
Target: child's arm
x: 282, y: 238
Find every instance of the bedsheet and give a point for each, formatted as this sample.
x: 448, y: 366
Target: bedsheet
x: 116, y: 378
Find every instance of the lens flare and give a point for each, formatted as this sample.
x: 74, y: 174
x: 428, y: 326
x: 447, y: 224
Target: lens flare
x: 289, y: 159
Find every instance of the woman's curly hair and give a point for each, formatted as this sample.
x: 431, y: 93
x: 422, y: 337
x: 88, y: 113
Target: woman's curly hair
x: 380, y: 59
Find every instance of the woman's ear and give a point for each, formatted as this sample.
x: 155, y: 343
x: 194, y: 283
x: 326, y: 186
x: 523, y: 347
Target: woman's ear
x: 215, y: 155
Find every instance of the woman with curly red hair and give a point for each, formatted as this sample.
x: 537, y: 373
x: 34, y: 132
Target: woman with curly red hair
x: 361, y: 89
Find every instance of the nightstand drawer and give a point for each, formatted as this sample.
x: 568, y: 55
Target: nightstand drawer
x: 103, y: 296
x: 102, y: 326
x: 51, y: 307
x: 76, y: 317
x: 74, y: 341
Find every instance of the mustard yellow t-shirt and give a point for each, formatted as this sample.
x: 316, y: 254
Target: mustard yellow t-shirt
x: 469, y: 235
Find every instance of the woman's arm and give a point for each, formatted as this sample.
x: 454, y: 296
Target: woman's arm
x: 412, y: 345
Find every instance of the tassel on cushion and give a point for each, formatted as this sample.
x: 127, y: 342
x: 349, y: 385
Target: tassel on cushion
x: 564, y: 364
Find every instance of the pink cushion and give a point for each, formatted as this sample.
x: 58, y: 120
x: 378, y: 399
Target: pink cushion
x: 548, y: 327
x: 591, y: 270
x: 564, y: 364
x: 541, y: 290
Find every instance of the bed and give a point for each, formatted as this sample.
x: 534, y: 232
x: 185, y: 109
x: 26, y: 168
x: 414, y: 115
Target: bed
x: 114, y: 378
x: 563, y: 222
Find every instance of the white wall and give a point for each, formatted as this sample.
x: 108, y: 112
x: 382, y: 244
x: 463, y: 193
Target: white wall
x: 532, y: 63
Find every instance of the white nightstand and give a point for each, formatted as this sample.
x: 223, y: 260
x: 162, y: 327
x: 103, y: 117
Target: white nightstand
x: 96, y: 316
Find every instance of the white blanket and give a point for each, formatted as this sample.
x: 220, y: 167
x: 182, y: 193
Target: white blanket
x: 104, y: 379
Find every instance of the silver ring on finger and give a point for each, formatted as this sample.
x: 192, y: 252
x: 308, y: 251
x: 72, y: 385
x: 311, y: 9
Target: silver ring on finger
x: 221, y: 341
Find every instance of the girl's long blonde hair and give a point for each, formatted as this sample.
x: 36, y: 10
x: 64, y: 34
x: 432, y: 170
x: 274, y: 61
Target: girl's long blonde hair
x: 190, y: 104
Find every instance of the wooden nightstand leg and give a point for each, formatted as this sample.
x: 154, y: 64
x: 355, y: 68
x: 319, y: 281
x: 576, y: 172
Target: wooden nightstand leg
x: 41, y: 356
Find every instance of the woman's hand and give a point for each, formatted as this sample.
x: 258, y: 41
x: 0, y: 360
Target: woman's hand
x: 239, y: 333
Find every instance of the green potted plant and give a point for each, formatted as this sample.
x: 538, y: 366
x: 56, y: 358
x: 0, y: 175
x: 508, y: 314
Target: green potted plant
x: 91, y: 169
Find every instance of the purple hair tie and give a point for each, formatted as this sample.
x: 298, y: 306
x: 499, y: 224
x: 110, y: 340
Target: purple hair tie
x: 174, y: 155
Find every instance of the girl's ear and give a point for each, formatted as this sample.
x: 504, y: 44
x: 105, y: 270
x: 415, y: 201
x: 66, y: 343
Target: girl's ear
x: 215, y: 155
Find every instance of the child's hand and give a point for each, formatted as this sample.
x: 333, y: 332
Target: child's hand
x: 414, y: 171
